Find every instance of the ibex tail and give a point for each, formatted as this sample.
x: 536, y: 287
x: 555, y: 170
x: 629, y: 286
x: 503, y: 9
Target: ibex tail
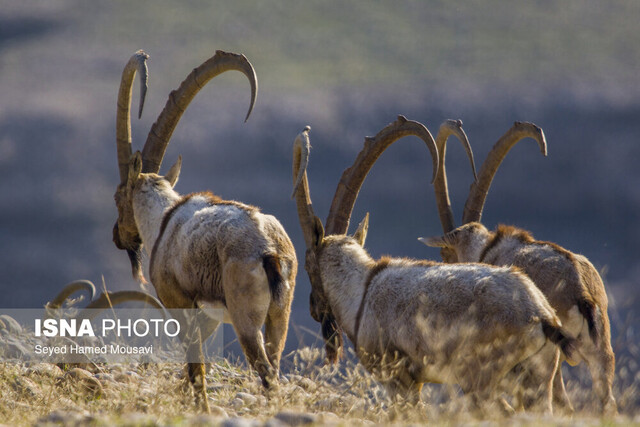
x: 560, y: 337
x: 277, y: 283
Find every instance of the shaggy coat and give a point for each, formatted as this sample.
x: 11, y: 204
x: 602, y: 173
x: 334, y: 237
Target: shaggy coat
x: 418, y: 321
x: 569, y: 281
x: 228, y: 254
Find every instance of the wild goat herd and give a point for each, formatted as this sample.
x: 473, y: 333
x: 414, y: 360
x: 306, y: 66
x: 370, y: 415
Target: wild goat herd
x: 497, y: 317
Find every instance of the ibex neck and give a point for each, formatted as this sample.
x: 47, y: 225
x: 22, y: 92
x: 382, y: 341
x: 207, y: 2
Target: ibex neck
x: 344, y: 274
x: 149, y: 209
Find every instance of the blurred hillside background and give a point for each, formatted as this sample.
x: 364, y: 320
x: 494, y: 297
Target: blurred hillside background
x: 346, y: 69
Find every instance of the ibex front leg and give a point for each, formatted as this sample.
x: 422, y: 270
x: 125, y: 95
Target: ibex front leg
x: 173, y: 298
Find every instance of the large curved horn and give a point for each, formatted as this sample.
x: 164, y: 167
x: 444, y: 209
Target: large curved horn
x: 353, y: 177
x: 70, y: 289
x: 179, y: 100
x: 341, y: 208
x: 478, y: 192
x: 111, y: 299
x: 447, y: 129
x: 318, y: 304
x: 138, y: 63
x: 301, y: 148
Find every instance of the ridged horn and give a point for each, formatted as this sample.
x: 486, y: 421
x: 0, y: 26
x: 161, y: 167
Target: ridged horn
x: 70, y: 289
x: 301, y: 148
x: 111, y: 299
x: 137, y: 63
x: 318, y: 304
x: 179, y: 99
x: 353, y: 177
x: 479, y: 190
x: 447, y: 129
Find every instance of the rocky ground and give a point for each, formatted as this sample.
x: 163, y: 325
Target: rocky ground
x: 310, y: 394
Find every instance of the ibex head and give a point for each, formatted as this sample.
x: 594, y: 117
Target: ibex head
x: 466, y: 242
x: 480, y: 188
x: 315, y: 234
x: 125, y: 232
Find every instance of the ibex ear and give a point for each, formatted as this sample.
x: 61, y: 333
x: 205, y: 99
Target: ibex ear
x: 135, y: 166
x: 448, y: 240
x: 318, y: 231
x: 174, y: 173
x: 434, y: 242
x: 363, y: 228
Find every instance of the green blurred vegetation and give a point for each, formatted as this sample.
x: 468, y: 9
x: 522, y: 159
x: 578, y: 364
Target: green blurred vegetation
x: 333, y: 43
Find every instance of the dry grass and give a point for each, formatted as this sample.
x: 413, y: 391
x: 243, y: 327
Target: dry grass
x: 154, y: 394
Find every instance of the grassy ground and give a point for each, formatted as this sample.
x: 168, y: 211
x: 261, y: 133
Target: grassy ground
x: 155, y: 394
x: 328, y: 64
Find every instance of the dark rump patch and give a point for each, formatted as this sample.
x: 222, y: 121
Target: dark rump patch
x: 271, y: 265
x: 588, y: 311
x: 559, y: 337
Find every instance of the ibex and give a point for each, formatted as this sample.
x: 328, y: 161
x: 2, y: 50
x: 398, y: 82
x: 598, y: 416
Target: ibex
x: 344, y: 201
x: 203, y: 249
x: 569, y: 281
x: 412, y: 321
x: 105, y: 300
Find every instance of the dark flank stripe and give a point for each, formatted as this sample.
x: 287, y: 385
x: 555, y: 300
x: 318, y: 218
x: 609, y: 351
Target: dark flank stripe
x: 502, y: 232
x: 492, y: 244
x: 382, y: 264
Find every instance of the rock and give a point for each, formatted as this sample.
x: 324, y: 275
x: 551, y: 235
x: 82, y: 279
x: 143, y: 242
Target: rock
x: 217, y: 411
x: 45, y: 370
x: 237, y: 403
x: 26, y: 387
x: 204, y: 420
x: 137, y: 419
x: 133, y: 375
x: 216, y: 388
x: 127, y: 377
x: 240, y: 422
x: 328, y: 418
x: 296, y: 418
x: 248, y: 399
x: 84, y: 382
x: 78, y: 374
x: 307, y: 384
x: 105, y: 377
x: 65, y: 418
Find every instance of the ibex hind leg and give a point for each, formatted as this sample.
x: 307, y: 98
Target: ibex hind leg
x: 537, y: 380
x: 248, y: 297
x: 190, y: 335
x: 601, y: 363
x: 561, y: 401
x: 275, y: 332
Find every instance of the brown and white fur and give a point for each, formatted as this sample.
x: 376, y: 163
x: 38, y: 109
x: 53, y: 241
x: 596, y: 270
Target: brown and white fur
x: 413, y: 322
x: 467, y: 324
x: 569, y: 281
x: 202, y: 249
x: 206, y: 250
